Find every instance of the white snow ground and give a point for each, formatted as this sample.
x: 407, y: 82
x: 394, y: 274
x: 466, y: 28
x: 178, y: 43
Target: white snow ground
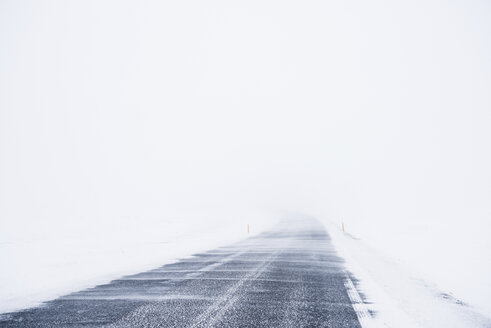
x: 395, y: 296
x: 39, y: 269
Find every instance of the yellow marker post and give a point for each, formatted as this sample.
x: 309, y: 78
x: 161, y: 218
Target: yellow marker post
x: 248, y: 230
x: 343, y: 226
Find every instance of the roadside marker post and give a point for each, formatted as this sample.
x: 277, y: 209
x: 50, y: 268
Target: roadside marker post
x: 248, y: 230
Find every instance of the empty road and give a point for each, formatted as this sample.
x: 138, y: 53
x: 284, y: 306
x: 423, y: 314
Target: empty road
x: 289, y: 276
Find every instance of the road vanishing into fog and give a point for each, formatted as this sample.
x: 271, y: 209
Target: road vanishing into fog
x: 289, y: 276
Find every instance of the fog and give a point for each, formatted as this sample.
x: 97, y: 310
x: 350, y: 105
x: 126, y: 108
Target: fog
x: 372, y: 113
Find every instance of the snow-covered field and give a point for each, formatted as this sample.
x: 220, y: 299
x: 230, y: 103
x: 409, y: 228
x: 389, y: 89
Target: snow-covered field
x: 39, y: 268
x: 402, y: 296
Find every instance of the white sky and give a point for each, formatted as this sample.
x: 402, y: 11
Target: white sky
x: 376, y: 112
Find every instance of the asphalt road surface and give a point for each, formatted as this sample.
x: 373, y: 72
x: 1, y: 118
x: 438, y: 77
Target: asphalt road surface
x: 289, y: 276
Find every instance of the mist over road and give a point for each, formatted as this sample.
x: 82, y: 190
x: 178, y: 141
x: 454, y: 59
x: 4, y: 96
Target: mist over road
x: 289, y: 276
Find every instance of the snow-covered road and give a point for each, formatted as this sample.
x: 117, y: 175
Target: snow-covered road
x: 289, y: 276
